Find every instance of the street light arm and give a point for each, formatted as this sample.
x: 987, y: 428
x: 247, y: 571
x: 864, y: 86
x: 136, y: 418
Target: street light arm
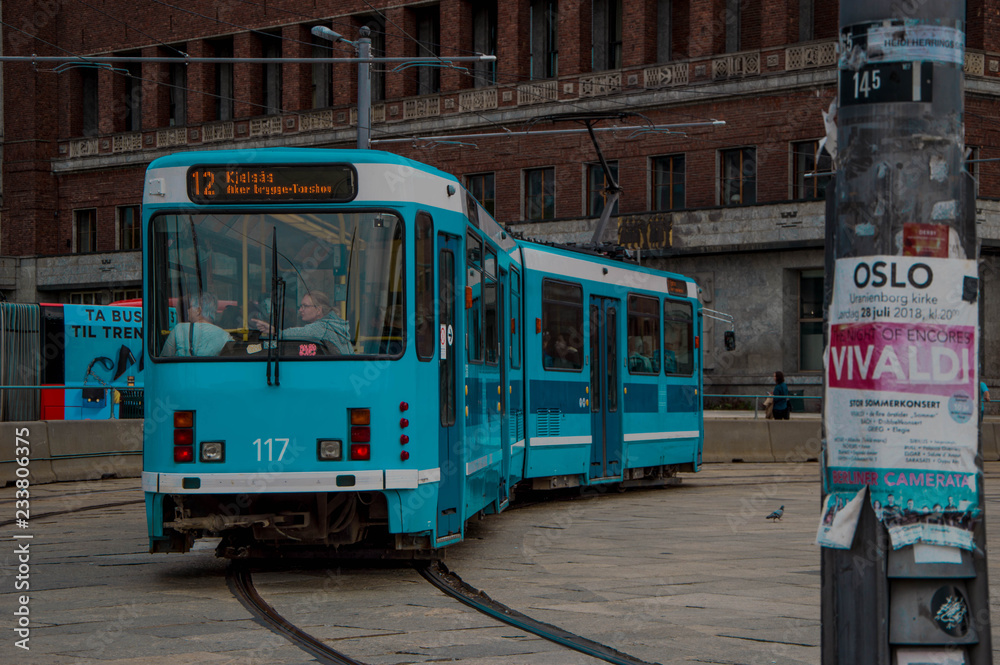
x: 324, y: 32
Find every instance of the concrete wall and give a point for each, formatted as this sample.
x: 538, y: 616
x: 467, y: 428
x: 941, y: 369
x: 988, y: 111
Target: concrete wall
x: 63, y: 450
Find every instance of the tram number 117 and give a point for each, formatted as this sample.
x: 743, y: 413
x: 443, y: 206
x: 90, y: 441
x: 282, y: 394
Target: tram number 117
x: 270, y: 444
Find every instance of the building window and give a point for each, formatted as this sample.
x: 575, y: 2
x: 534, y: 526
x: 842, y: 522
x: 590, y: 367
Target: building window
x: 85, y: 230
x: 540, y: 194
x: 271, y: 76
x: 607, y: 18
x: 738, y: 169
x: 972, y: 157
x: 480, y: 185
x: 806, y: 20
x: 126, y: 294
x: 133, y: 97
x: 811, y: 320
x: 223, y: 80
x: 678, y: 338
x: 732, y: 26
x: 543, y: 41
x: 85, y: 298
x: 597, y: 188
x: 664, y: 26
x: 89, y: 98
x: 810, y: 175
x: 484, y: 40
x: 668, y: 182
x: 178, y: 94
x: 562, y: 325
x: 643, y: 335
x: 322, y: 75
x: 429, y: 45
x: 129, y: 228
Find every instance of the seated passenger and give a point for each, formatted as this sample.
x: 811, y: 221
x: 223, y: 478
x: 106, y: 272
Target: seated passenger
x: 199, y: 336
x: 669, y: 360
x: 566, y: 355
x: 322, y: 324
x: 637, y: 360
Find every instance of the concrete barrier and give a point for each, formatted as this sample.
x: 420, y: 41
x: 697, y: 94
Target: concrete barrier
x: 35, y: 437
x: 795, y: 440
x: 730, y: 440
x: 991, y: 448
x: 64, y: 450
x: 94, y: 449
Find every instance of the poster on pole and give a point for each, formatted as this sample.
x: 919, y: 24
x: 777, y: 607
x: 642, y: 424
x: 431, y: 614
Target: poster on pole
x: 902, y: 400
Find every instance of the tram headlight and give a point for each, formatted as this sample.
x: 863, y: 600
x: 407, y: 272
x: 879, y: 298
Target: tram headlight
x: 329, y: 449
x: 213, y: 451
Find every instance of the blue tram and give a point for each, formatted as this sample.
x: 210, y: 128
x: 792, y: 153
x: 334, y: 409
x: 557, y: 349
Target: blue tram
x: 346, y: 351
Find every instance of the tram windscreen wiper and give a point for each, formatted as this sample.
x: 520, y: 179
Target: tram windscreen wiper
x: 276, y: 318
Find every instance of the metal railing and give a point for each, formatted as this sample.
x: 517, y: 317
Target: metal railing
x: 758, y: 399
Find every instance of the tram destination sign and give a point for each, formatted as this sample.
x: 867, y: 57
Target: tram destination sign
x: 272, y: 183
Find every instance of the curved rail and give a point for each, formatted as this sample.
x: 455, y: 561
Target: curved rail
x: 452, y: 585
x: 240, y: 582
x: 77, y: 510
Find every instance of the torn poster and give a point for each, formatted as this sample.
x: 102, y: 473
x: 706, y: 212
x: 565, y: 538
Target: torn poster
x: 902, y: 400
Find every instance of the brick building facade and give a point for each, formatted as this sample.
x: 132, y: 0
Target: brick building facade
x: 738, y: 206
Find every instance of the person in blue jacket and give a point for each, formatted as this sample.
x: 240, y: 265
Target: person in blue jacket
x: 984, y: 397
x: 782, y: 409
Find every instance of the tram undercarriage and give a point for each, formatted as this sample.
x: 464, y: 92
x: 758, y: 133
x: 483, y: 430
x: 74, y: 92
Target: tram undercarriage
x: 324, y: 519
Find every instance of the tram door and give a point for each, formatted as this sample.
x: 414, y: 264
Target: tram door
x: 449, y: 518
x: 503, y: 317
x: 606, y: 450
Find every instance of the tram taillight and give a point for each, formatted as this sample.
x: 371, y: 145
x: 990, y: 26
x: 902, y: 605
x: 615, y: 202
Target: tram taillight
x: 360, y: 430
x: 361, y: 451
x: 183, y: 436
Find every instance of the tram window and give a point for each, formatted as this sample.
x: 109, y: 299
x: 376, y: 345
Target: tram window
x: 515, y: 316
x: 474, y: 298
x: 343, y: 284
x: 678, y: 338
x: 562, y: 325
x: 426, y: 332
x: 643, y: 335
x: 490, y: 310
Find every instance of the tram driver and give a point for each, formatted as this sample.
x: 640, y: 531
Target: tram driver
x: 322, y: 324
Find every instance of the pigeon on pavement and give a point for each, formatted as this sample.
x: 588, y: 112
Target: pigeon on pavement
x: 776, y: 515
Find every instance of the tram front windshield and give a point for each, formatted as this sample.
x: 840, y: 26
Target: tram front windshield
x: 315, y: 285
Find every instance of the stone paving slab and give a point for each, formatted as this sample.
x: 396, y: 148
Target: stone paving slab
x: 690, y: 574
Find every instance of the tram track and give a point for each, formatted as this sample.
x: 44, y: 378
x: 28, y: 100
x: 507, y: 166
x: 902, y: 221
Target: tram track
x: 81, y: 509
x: 240, y: 582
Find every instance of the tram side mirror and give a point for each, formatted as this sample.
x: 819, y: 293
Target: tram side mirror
x: 730, y: 340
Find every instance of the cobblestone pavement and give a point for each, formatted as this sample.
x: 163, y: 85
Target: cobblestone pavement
x: 689, y: 574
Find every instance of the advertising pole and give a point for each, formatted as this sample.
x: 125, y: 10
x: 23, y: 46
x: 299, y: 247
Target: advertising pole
x: 902, y: 527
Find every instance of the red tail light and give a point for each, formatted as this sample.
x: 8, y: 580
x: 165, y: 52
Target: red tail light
x: 183, y: 436
x: 361, y: 451
x: 183, y: 453
x: 361, y: 434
